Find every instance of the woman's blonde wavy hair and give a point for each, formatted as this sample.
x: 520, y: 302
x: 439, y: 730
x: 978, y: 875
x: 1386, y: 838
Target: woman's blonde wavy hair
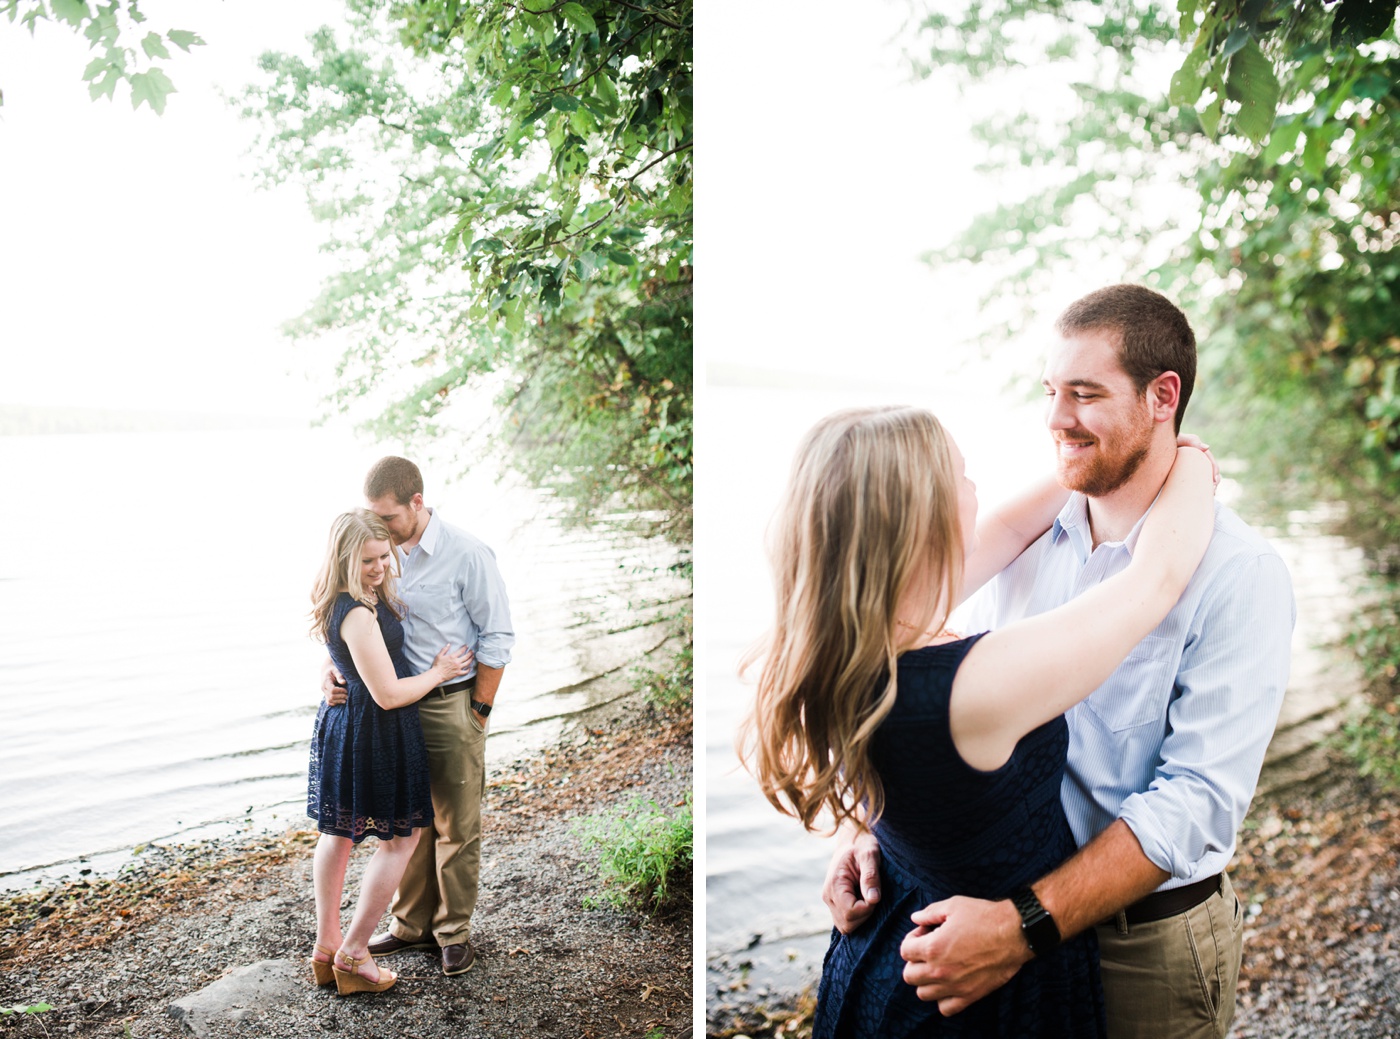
x: 871, y: 507
x: 340, y: 572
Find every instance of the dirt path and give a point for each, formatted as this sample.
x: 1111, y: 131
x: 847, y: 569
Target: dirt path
x: 113, y: 955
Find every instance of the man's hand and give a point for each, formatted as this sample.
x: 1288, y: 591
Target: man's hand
x: 332, y: 685
x: 853, y: 882
x: 963, y: 949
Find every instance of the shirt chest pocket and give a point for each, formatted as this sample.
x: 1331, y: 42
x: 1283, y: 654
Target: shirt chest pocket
x: 1139, y: 691
x: 435, y: 602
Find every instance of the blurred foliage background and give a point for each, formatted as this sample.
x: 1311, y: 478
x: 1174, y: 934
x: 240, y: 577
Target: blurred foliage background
x: 508, y: 192
x: 1271, y: 127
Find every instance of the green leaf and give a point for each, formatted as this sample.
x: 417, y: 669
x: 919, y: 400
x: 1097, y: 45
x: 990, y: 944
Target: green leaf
x: 152, y: 88
x: 1252, y: 83
x: 154, y: 46
x: 184, y: 39
x: 1373, y: 86
x: 579, y: 18
x: 565, y: 103
x: 1210, y: 118
x: 1187, y: 81
x: 74, y: 12
x: 103, y: 29
x: 1235, y: 42
x: 106, y: 85
x: 1357, y: 21
x: 538, y: 112
x: 1283, y: 140
x: 515, y: 315
x: 605, y: 90
x: 1315, y: 153
x: 95, y: 68
x: 503, y: 96
x: 1186, y: 11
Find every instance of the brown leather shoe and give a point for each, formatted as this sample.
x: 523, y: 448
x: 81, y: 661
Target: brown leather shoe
x: 457, y: 959
x: 387, y: 944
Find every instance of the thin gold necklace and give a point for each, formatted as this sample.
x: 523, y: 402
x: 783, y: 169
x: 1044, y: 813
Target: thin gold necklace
x: 928, y: 634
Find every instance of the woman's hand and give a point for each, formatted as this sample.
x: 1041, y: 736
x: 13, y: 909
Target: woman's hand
x: 1191, y: 440
x: 449, y: 665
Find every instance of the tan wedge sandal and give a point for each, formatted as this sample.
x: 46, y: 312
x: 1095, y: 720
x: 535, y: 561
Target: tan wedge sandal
x: 324, y: 973
x: 348, y: 981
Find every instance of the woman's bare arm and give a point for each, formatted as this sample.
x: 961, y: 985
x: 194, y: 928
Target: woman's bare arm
x: 361, y: 633
x: 1004, y: 534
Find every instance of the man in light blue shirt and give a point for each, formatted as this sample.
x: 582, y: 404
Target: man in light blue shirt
x: 1165, y: 756
x: 454, y: 595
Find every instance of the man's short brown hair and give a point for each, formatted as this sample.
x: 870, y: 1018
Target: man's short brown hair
x: 396, y: 476
x: 1154, y: 335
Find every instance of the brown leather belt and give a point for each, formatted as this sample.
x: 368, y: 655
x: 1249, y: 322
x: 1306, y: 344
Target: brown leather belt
x: 1161, y: 904
x: 447, y: 690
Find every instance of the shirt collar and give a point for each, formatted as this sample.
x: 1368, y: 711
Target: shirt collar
x: 429, y: 540
x: 1073, y: 523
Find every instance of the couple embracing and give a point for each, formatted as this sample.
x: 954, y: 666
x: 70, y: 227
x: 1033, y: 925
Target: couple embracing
x: 1037, y: 813
x: 417, y: 627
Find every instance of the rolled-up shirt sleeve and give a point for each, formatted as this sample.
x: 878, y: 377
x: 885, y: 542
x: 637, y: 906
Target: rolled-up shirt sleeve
x: 1229, y: 689
x: 484, y: 596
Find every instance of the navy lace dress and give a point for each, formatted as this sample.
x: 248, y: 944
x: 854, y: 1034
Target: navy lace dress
x: 948, y: 829
x: 369, y: 766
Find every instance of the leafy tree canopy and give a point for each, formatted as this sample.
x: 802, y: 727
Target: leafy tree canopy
x: 1279, y: 120
x: 125, y: 48
x: 508, y: 188
x: 1275, y: 125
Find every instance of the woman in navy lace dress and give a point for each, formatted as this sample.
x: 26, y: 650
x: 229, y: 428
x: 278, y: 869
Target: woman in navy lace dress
x: 949, y: 749
x: 369, y: 766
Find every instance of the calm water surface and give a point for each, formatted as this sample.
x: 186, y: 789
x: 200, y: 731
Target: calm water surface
x: 156, y: 674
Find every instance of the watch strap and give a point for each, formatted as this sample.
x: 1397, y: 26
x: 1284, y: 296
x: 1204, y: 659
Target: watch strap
x: 483, y: 709
x: 1039, y: 927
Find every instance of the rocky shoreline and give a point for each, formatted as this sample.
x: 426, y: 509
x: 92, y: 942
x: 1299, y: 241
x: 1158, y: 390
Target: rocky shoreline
x: 209, y: 939
x: 1318, y: 870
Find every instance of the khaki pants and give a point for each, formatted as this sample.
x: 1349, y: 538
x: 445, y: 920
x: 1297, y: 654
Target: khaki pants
x: 1174, y: 978
x: 438, y: 890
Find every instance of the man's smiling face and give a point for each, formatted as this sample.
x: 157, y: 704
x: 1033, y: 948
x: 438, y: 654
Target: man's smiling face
x: 1102, y: 426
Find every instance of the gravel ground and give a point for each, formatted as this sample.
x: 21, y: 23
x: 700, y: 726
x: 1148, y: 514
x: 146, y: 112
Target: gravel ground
x: 112, y: 954
x: 1319, y: 870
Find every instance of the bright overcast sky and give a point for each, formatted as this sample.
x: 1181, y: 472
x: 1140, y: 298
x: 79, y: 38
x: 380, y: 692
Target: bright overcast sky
x: 832, y: 174
x: 828, y: 170
x: 139, y: 268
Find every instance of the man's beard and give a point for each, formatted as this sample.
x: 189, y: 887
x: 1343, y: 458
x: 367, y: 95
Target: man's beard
x: 1104, y: 472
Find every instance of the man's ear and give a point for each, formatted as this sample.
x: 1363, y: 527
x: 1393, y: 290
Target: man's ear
x: 1164, y: 396
x: 417, y: 502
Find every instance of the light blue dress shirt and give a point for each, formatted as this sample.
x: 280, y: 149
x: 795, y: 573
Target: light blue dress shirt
x: 455, y: 596
x: 1173, y: 742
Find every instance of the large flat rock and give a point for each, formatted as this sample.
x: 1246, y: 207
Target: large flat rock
x: 240, y: 998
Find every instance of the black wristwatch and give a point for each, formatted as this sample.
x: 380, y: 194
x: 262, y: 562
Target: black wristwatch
x: 483, y: 709
x: 1036, y: 923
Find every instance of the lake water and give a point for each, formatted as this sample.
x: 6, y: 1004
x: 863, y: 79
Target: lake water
x: 763, y: 872
x: 156, y: 675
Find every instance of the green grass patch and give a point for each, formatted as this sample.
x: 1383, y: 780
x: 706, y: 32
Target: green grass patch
x: 671, y: 690
x: 1373, y: 741
x: 644, y: 851
x: 1372, y: 738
